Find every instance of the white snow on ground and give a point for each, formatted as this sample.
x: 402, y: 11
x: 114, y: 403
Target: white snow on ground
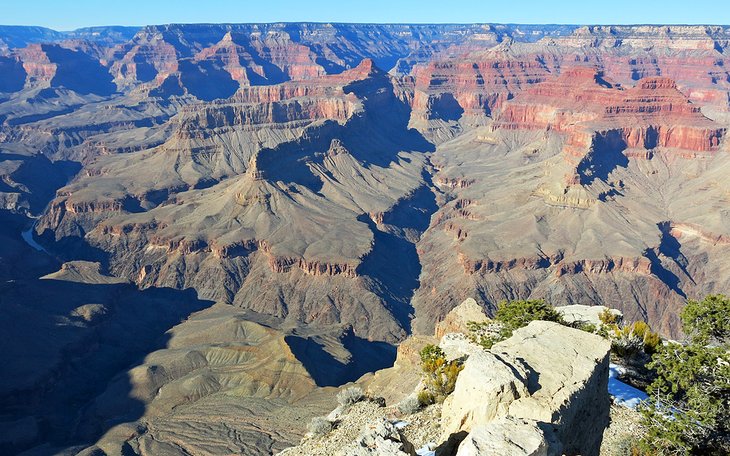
x: 623, y: 394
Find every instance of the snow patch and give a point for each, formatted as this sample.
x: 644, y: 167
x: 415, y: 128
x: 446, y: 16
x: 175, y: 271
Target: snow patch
x: 623, y: 394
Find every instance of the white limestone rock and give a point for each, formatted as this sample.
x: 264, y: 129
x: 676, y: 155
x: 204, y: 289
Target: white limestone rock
x: 567, y: 377
x: 585, y: 314
x: 505, y: 437
x: 486, y: 387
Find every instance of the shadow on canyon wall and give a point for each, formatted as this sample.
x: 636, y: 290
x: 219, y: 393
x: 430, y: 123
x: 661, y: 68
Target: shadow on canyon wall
x: 64, y: 342
x: 329, y: 369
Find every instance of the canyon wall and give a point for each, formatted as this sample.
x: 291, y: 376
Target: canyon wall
x: 358, y: 180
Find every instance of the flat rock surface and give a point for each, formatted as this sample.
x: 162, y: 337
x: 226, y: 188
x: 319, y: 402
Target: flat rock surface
x: 506, y: 436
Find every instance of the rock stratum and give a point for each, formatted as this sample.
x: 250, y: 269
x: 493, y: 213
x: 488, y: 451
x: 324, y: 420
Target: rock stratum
x: 333, y: 188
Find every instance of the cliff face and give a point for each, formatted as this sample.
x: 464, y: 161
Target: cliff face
x: 478, y: 85
x: 298, y: 191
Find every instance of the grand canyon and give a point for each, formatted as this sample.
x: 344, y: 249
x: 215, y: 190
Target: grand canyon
x: 208, y: 228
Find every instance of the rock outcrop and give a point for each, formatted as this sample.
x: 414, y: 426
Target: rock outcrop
x: 553, y: 376
x: 456, y: 320
x: 579, y: 314
x: 506, y: 437
x: 381, y: 439
x: 543, y: 391
x: 485, y: 390
x: 567, y: 376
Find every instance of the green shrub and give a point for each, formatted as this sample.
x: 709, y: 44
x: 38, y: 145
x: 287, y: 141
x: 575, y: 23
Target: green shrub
x: 439, y: 375
x: 430, y: 354
x: 584, y: 326
x: 634, y: 338
x: 707, y: 320
x: 516, y: 314
x: 608, y: 318
x: 689, y: 412
x: 652, y: 342
x: 426, y: 398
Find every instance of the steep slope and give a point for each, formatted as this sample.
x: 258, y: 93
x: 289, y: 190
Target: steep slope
x: 264, y: 190
x: 295, y: 228
x: 99, y: 361
x: 569, y: 195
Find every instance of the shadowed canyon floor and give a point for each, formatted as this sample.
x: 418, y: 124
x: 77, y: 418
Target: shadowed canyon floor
x: 237, y: 218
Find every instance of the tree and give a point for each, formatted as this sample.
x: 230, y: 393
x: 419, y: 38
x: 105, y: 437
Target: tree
x: 708, y: 321
x: 689, y: 408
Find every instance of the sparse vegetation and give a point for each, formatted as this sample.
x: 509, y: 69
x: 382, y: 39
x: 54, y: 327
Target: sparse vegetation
x: 511, y: 315
x: 631, y: 346
x: 608, y: 318
x: 409, y: 405
x: 426, y: 398
x: 689, y: 408
x: 485, y: 333
x: 350, y: 396
x: 320, y: 426
x: 439, y: 375
x: 633, y: 339
x: 588, y: 327
x: 629, y: 446
x: 584, y: 326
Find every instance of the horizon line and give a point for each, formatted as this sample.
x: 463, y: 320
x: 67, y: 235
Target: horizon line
x: 636, y: 24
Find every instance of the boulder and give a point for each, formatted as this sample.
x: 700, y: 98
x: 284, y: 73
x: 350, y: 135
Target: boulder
x: 484, y: 391
x: 459, y: 316
x: 567, y: 379
x: 506, y: 437
x: 585, y: 314
x: 382, y: 438
x: 457, y: 345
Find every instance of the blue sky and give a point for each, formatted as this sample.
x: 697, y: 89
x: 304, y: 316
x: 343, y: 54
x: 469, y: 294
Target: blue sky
x: 70, y: 14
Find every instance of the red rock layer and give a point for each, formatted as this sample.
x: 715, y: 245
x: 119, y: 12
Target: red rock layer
x: 269, y: 58
x: 640, y: 265
x: 37, y: 64
x: 652, y: 114
x: 480, y: 83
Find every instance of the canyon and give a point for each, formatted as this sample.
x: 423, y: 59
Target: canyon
x: 228, y: 221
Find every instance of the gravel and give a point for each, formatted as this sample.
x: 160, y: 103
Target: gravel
x: 625, y: 425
